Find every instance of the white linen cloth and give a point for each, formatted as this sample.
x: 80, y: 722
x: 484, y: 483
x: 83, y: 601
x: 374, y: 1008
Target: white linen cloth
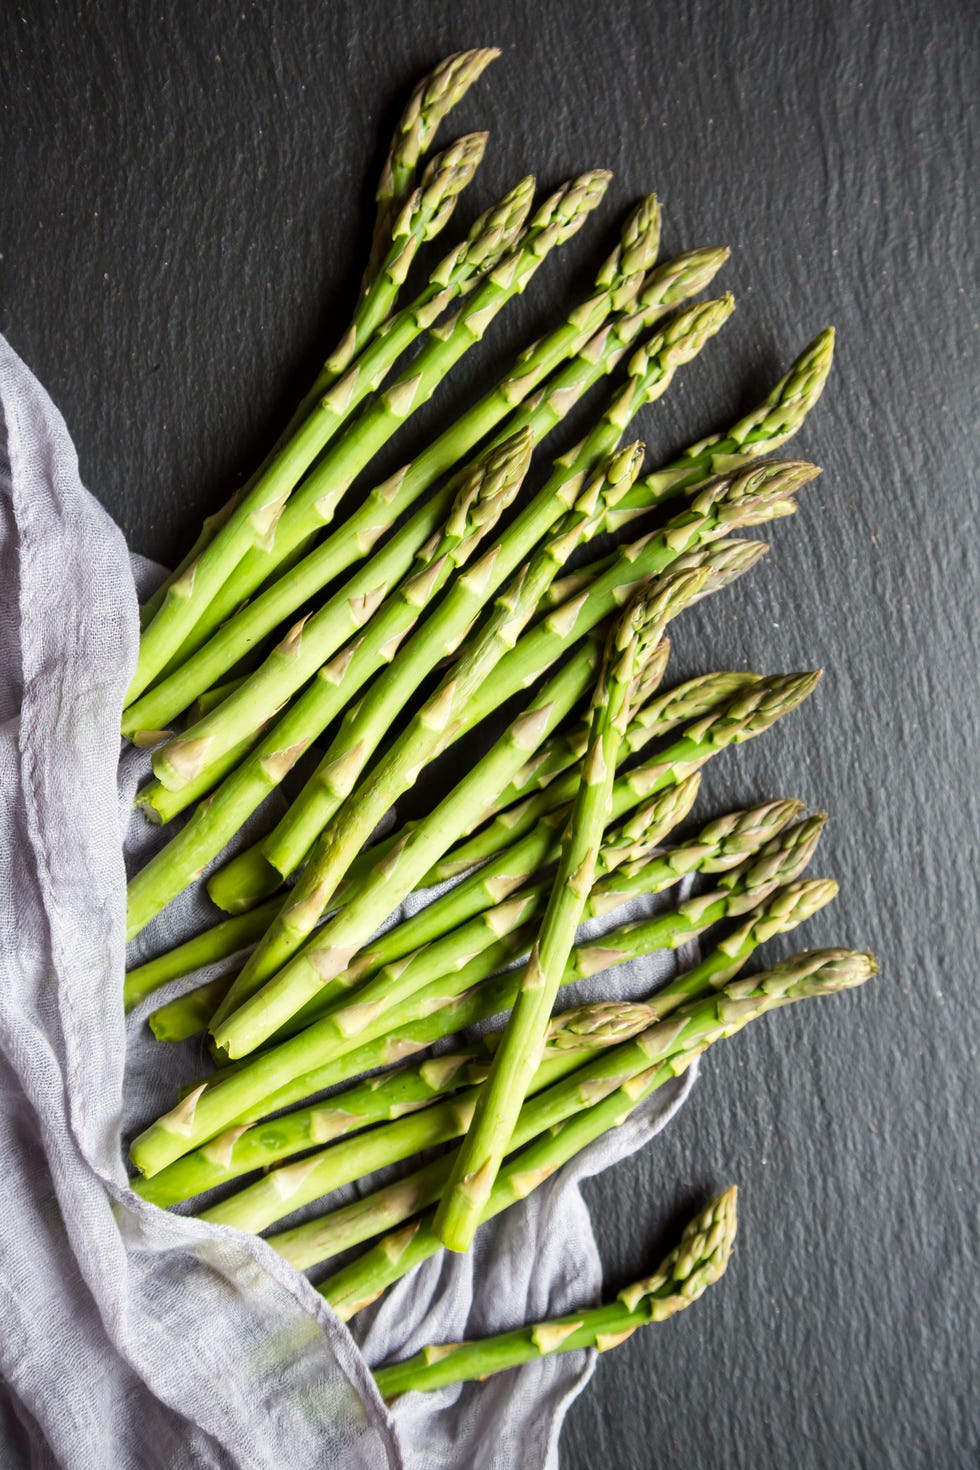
x: 135, y: 1338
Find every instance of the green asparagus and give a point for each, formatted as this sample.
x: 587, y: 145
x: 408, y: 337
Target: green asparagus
x: 681, y: 1278
x: 632, y: 639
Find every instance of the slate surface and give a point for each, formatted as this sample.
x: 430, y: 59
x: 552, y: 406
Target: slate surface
x: 181, y: 229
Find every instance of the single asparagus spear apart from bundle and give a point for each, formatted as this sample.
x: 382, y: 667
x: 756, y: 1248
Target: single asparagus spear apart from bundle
x: 663, y: 1053
x: 681, y: 1278
x: 628, y: 648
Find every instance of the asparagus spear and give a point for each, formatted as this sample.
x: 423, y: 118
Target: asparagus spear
x: 218, y: 943
x: 290, y: 1186
x: 431, y: 730
x: 256, y: 518
x: 616, y: 285
x: 632, y: 638
x: 436, y: 95
x: 349, y: 1225
x: 316, y: 500
x: 425, y: 212
x: 211, y: 1109
x: 210, y: 527
x: 681, y: 1278
x: 159, y: 806
x: 670, y: 1048
x: 481, y: 495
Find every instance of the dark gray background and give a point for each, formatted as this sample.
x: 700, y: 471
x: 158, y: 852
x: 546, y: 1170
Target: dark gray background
x: 184, y: 217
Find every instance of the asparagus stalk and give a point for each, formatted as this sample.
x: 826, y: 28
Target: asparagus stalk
x: 255, y: 519
x: 667, y: 1051
x: 210, y: 527
x: 482, y: 493
x: 429, y: 732
x: 349, y: 1225
x: 424, y: 213
x: 159, y: 806
x: 291, y: 1186
x: 315, y: 502
x: 249, y: 877
x: 214, y: 944
x: 633, y: 637
x: 616, y: 285
x: 593, y: 355
x: 436, y: 95
x: 682, y: 1277
x: 209, y: 1110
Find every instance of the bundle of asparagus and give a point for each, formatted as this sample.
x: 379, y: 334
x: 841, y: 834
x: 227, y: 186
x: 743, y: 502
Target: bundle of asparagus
x: 397, y: 624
